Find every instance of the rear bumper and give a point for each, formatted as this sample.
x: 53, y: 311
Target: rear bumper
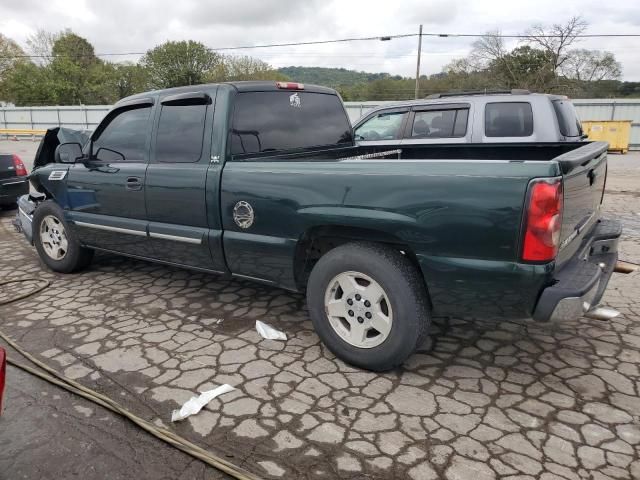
x: 581, y: 282
x: 12, y: 188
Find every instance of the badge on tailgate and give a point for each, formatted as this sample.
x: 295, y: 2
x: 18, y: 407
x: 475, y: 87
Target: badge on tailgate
x: 57, y: 174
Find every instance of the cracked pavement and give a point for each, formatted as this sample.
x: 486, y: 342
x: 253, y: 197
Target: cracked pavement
x: 488, y: 400
x: 48, y: 433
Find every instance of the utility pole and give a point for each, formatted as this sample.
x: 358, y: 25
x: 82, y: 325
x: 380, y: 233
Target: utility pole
x: 418, y: 63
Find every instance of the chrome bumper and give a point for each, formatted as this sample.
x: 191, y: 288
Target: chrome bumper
x: 580, y: 283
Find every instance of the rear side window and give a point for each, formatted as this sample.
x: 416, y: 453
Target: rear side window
x: 567, y: 118
x: 125, y: 137
x: 508, y: 119
x: 287, y: 120
x: 180, y: 133
x: 440, y: 123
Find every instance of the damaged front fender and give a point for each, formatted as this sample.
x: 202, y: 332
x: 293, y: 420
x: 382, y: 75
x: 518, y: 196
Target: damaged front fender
x: 54, y: 137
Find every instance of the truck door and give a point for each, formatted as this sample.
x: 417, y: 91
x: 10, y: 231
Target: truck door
x: 176, y: 181
x: 106, y: 192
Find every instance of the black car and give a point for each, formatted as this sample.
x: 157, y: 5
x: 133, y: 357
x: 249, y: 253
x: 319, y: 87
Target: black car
x: 13, y: 179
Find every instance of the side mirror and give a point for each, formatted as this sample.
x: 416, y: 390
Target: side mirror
x: 68, y: 153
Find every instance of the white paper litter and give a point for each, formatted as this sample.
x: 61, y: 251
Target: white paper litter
x: 195, y: 404
x: 268, y: 332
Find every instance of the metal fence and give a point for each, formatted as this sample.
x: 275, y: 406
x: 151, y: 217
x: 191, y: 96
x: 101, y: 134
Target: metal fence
x: 88, y: 117
x: 41, y: 118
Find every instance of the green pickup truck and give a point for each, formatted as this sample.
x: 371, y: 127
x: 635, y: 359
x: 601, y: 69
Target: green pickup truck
x: 263, y: 181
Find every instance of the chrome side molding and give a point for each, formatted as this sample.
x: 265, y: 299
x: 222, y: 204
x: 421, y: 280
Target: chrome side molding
x: 139, y: 233
x: 176, y: 238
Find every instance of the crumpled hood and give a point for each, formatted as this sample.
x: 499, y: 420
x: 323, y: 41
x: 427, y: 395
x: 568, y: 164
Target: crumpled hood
x: 54, y: 137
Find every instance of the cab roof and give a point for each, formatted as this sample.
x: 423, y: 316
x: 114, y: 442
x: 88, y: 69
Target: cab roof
x: 244, y: 86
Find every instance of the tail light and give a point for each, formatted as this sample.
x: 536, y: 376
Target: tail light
x: 543, y: 220
x: 290, y: 85
x: 20, y: 169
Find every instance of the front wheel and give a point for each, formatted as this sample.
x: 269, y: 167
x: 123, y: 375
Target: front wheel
x: 368, y: 305
x: 56, y: 243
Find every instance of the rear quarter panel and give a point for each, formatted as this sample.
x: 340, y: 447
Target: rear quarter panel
x: 461, y: 219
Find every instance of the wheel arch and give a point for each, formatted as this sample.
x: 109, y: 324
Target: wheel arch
x: 320, y: 239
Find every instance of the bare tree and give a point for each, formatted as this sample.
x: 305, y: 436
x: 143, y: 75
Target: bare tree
x: 591, y: 66
x: 40, y: 45
x: 487, y: 50
x: 556, y: 39
x: 489, y: 53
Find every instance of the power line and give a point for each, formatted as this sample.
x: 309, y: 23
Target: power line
x: 353, y: 39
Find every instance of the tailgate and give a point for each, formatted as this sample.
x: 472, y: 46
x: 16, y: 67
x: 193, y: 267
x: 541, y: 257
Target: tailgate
x: 584, y: 172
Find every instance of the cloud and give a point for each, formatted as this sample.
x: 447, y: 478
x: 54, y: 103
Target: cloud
x: 137, y: 25
x: 249, y: 13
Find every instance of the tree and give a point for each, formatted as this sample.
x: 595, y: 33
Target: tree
x: 174, y: 64
x: 76, y: 72
x: 10, y: 55
x: 591, y: 66
x: 544, y: 62
x: 40, y: 45
x: 233, y: 68
x: 128, y: 79
x: 75, y: 49
x: 524, y: 67
x: 487, y: 50
x: 556, y: 39
x: 29, y: 84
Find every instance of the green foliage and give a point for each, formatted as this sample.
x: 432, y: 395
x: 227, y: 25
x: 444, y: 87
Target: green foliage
x: 66, y: 70
x: 523, y: 67
x: 333, y: 77
x: 237, y: 68
x: 28, y: 84
x: 127, y: 79
x: 174, y: 64
x: 74, y: 49
x: 10, y: 56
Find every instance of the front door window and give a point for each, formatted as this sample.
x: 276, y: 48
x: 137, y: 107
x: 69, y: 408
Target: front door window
x: 384, y: 126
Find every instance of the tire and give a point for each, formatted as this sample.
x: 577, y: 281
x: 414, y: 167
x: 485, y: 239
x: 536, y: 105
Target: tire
x: 403, y: 311
x: 56, y: 243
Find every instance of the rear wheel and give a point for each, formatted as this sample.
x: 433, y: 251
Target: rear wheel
x: 368, y: 304
x: 57, y: 245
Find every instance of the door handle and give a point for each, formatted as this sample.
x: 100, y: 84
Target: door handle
x: 134, y: 183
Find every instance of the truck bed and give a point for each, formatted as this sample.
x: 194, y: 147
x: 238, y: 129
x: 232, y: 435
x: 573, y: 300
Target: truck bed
x: 582, y: 165
x: 473, y: 151
x: 459, y: 207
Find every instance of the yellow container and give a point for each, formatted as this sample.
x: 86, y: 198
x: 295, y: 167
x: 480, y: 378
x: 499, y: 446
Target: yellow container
x: 616, y: 132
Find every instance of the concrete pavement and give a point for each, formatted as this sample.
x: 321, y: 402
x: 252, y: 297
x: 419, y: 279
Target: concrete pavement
x: 491, y: 400
x: 49, y: 433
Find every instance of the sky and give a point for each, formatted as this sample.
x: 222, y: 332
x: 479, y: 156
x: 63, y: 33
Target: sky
x: 121, y: 26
